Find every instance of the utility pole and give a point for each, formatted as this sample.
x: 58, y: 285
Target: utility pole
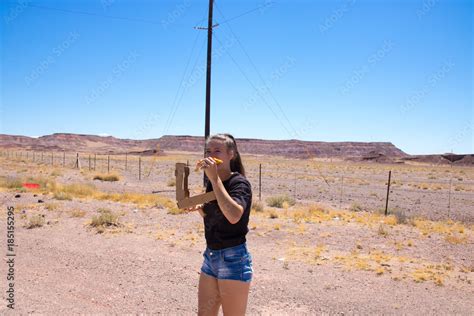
x: 208, y: 81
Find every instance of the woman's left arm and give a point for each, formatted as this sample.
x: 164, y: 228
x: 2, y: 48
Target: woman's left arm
x: 229, y: 207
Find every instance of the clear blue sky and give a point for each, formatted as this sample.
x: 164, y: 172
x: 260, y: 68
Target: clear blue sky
x: 353, y: 70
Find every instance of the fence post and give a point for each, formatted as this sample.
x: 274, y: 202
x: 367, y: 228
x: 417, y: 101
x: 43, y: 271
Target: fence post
x: 33, y: 156
x: 52, y: 159
x: 64, y: 158
x: 260, y: 183
x: 126, y: 156
x: 77, y: 164
x: 41, y: 157
x: 108, y: 163
x: 388, y: 191
x: 139, y: 168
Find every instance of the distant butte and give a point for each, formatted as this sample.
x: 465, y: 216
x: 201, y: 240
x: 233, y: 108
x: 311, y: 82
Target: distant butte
x: 383, y: 152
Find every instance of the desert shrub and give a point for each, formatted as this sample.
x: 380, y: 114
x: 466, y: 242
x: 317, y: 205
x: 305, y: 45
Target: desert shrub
x: 35, y: 221
x: 107, y: 177
x: 105, y: 219
x: 257, y: 206
x: 280, y: 201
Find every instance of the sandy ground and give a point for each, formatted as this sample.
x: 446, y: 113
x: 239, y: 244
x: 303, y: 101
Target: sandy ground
x: 150, y: 262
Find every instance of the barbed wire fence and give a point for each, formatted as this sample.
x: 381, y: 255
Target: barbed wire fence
x: 390, y: 192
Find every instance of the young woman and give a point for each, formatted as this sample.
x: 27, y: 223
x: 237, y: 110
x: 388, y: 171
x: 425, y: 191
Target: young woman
x: 227, y: 271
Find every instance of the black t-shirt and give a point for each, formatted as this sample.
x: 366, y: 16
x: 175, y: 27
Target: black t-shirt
x: 219, y: 232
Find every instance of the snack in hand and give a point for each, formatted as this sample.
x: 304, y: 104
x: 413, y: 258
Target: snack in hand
x: 217, y: 160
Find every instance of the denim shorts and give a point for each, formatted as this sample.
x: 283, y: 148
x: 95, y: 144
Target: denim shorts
x: 233, y: 263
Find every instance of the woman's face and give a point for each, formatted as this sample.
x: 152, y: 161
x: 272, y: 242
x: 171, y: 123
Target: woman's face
x: 217, y: 149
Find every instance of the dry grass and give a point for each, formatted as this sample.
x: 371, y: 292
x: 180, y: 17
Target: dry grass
x: 106, y: 219
x: 280, y: 201
x: 51, y: 206
x: 78, y: 213
x: 355, y: 207
x: 257, y: 206
x: 171, y: 182
x: 62, y: 196
x: 11, y: 183
x: 111, y: 177
x: 89, y: 191
x: 376, y: 261
x: 34, y: 221
x: 451, y: 230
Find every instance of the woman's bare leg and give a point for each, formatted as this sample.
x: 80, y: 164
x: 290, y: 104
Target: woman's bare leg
x: 208, y: 295
x: 233, y: 296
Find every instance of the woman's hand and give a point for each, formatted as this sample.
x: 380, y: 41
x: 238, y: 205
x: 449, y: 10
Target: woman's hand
x: 210, y: 168
x: 199, y: 208
x: 194, y: 208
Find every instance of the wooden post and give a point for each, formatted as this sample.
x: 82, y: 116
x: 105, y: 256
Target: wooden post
x: 108, y: 163
x: 41, y: 157
x: 182, y: 191
x: 139, y: 168
x: 126, y: 156
x: 64, y: 158
x: 52, y: 159
x: 388, y: 192
x: 33, y: 156
x: 89, y: 162
x: 77, y: 165
x: 260, y: 182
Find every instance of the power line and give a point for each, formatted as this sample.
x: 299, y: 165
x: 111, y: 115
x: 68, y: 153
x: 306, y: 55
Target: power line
x: 175, y: 105
x: 258, y: 73
x: 240, y: 15
x: 267, y: 88
x: 180, y: 84
x: 93, y: 14
x: 253, y: 86
x: 184, y: 90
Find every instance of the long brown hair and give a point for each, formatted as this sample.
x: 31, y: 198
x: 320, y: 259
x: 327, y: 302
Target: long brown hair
x: 229, y: 141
